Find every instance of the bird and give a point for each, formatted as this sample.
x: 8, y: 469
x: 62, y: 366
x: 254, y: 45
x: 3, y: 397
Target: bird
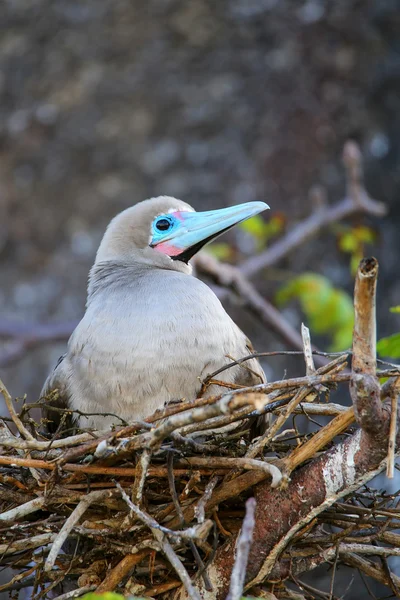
x: 152, y: 331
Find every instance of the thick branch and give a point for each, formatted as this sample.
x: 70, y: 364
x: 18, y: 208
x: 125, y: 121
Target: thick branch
x: 364, y: 385
x: 281, y: 513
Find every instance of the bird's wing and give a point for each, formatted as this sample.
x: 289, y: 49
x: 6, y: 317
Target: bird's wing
x: 55, y: 393
x: 249, y: 372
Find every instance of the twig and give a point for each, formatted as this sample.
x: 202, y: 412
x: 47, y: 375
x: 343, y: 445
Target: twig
x: 179, y: 512
x: 22, y: 511
x: 26, y: 544
x: 159, y: 533
x: 242, y: 552
x: 240, y: 463
x: 33, y: 444
x: 392, y: 437
x: 161, y: 589
x: 71, y: 522
x: 364, y: 386
x: 10, y: 406
x: 199, y: 511
x: 370, y: 569
x: 121, y: 570
x: 190, y: 533
x: 140, y: 478
x: 316, y: 408
x: 76, y: 593
x: 308, y: 355
x: 344, y: 548
x: 333, y: 367
x: 177, y: 564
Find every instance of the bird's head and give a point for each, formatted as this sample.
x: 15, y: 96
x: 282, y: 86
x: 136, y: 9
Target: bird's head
x: 167, y: 232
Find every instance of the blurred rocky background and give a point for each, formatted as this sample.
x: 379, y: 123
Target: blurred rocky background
x: 107, y: 102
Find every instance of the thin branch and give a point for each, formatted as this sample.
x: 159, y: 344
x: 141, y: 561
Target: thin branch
x: 121, y: 570
x: 308, y: 355
x: 239, y: 463
x: 25, y: 544
x: 159, y: 534
x: 242, y: 552
x: 70, y: 523
x: 200, y: 565
x: 10, y: 406
x: 392, y: 438
x: 140, y: 478
x: 76, y: 593
x: 199, y: 511
x: 22, y: 511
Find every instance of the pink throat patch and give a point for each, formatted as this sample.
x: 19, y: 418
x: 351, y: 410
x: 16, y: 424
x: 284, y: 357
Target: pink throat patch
x: 168, y: 249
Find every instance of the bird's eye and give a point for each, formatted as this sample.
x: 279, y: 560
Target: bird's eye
x: 163, y: 224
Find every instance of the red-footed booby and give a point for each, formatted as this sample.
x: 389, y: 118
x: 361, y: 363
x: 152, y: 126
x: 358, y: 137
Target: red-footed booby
x: 151, y: 331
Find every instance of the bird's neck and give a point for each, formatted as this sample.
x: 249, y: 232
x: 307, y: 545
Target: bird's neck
x: 112, y: 274
x: 117, y: 276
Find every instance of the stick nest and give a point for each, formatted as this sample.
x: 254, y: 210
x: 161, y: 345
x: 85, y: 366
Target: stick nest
x: 145, y: 508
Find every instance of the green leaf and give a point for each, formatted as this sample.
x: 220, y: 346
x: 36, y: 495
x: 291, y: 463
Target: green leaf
x: 222, y: 251
x: 255, y: 226
x: 352, y: 240
x: 328, y: 310
x: 389, y: 346
x: 262, y: 231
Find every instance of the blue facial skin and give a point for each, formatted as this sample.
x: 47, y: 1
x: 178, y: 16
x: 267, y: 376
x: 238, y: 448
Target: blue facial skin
x: 186, y: 232
x: 162, y: 227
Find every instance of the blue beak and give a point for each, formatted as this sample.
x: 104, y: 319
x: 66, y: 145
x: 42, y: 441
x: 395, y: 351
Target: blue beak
x: 190, y: 231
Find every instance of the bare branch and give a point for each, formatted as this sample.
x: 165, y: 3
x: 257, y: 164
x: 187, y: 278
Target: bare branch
x: 242, y: 552
x: 308, y: 355
x: 392, y: 437
x: 364, y: 388
x: 70, y: 524
x: 17, y: 421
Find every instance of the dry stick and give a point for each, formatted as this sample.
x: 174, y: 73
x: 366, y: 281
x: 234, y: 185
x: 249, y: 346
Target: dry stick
x: 333, y: 367
x: 76, y: 593
x: 392, y: 436
x: 179, y: 512
x: 33, y: 444
x: 17, y: 421
x: 26, y: 544
x: 159, y: 533
x: 200, y: 508
x: 18, y: 578
x: 308, y: 355
x: 370, y: 569
x: 161, y: 589
x: 364, y: 384
x: 239, y: 463
x: 92, y: 470
x: 24, y: 510
x: 242, y: 552
x: 316, y: 408
x: 121, y: 570
x: 140, y: 478
x: 71, y: 522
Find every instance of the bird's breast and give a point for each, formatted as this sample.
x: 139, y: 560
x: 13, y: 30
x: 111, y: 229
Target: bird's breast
x: 149, y: 349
